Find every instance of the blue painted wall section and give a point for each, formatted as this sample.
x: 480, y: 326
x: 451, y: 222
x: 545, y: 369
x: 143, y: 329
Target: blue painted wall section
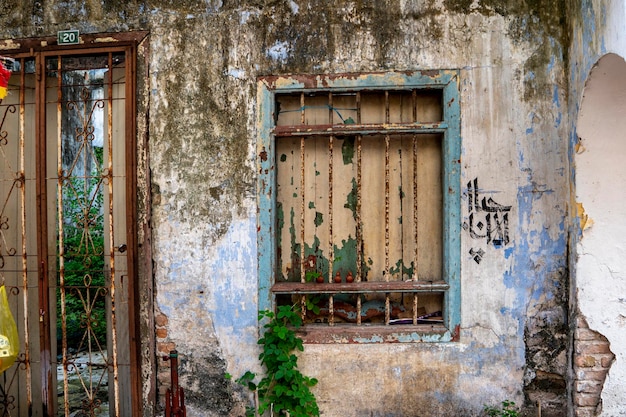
x: 208, y: 177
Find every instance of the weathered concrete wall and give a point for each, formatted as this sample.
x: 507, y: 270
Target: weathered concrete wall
x: 597, y: 103
x: 204, y: 60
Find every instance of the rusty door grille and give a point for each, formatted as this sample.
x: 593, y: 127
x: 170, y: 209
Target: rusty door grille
x: 362, y: 233
x: 64, y: 141
x: 16, y: 188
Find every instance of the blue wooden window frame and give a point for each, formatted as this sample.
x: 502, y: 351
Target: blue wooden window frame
x: 445, y: 80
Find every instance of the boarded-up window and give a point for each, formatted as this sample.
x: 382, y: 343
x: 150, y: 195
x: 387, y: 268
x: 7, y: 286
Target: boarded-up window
x: 363, y: 173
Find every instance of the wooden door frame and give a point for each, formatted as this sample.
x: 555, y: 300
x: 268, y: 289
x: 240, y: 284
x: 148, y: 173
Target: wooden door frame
x: 40, y: 48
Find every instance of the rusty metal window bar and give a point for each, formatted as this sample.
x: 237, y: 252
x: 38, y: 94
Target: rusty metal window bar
x: 361, y: 181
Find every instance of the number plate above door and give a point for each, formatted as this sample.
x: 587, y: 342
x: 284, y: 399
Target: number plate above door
x: 68, y: 37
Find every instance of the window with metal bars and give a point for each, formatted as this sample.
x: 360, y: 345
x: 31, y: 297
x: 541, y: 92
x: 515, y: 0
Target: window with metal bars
x: 359, y: 204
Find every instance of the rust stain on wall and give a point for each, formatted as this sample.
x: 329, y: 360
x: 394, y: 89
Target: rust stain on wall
x: 585, y: 221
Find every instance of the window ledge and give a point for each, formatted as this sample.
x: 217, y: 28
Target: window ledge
x: 359, y: 287
x: 360, y: 129
x: 375, y: 333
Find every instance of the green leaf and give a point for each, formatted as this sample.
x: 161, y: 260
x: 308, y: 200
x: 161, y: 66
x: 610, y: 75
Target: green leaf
x: 283, y: 386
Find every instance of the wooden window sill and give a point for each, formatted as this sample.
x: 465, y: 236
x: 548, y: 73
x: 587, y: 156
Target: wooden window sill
x: 360, y: 287
x: 375, y: 333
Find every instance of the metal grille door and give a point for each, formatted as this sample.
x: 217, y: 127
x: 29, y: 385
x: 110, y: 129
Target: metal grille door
x: 65, y: 232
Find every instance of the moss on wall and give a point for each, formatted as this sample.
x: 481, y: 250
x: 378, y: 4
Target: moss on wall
x: 11, y: 12
x: 541, y: 23
x: 203, y: 114
x: 205, y: 57
x: 311, y: 31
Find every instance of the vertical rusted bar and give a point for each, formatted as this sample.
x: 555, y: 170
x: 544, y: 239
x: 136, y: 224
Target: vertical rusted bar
x: 386, y: 106
x: 48, y: 397
x: 302, y: 202
x: 178, y: 406
x: 387, y: 174
x: 386, y: 208
x: 414, y: 104
x: 302, y: 208
x: 330, y: 206
x: 22, y: 179
x: 174, y: 389
x: 330, y: 108
x: 60, y: 226
x: 331, y: 310
x: 168, y: 403
x: 112, y: 288
x: 331, y: 315
x: 359, y: 227
x: 415, y: 276
x: 303, y: 257
x: 331, y: 257
x: 401, y: 207
x: 130, y: 84
x: 415, y: 212
x: 174, y: 396
x: 387, y: 308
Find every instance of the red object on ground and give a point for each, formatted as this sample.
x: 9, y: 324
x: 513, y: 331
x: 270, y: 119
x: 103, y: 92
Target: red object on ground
x: 174, y: 397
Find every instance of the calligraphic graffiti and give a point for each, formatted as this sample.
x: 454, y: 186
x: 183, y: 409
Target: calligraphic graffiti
x: 487, y: 220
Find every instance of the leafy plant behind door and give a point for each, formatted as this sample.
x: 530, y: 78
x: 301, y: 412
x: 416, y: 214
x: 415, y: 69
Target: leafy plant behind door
x: 9, y: 340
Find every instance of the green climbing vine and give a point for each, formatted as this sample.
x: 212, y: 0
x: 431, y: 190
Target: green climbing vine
x: 508, y: 409
x: 284, y: 390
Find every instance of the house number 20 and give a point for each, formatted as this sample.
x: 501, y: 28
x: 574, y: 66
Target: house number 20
x: 68, y: 37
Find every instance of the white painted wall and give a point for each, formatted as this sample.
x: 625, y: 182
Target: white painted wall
x: 601, y: 189
x: 613, y: 38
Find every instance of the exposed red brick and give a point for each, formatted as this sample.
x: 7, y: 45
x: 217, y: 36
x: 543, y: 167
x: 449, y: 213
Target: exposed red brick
x: 585, y: 334
x: 166, y: 347
x: 161, y: 320
x: 589, y: 375
x: 586, y: 361
x: 592, y: 347
x: 585, y: 412
x: 588, y: 387
x: 586, y: 400
x: 592, y: 360
x: 607, y: 360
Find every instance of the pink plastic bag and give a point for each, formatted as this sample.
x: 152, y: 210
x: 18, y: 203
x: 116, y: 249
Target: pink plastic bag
x: 9, y: 339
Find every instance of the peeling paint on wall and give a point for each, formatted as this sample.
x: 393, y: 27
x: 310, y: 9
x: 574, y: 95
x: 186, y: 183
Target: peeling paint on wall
x: 204, y: 60
x: 599, y: 252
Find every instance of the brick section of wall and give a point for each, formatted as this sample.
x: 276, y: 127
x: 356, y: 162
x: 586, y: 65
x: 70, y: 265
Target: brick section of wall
x: 163, y: 350
x: 592, y: 360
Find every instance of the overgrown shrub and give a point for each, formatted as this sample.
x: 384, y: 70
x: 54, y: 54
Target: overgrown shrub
x: 83, y: 250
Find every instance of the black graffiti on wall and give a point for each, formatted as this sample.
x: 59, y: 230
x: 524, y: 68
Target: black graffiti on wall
x: 487, y: 220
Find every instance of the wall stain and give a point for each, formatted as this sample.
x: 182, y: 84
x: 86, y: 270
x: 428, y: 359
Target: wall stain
x: 201, y: 130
